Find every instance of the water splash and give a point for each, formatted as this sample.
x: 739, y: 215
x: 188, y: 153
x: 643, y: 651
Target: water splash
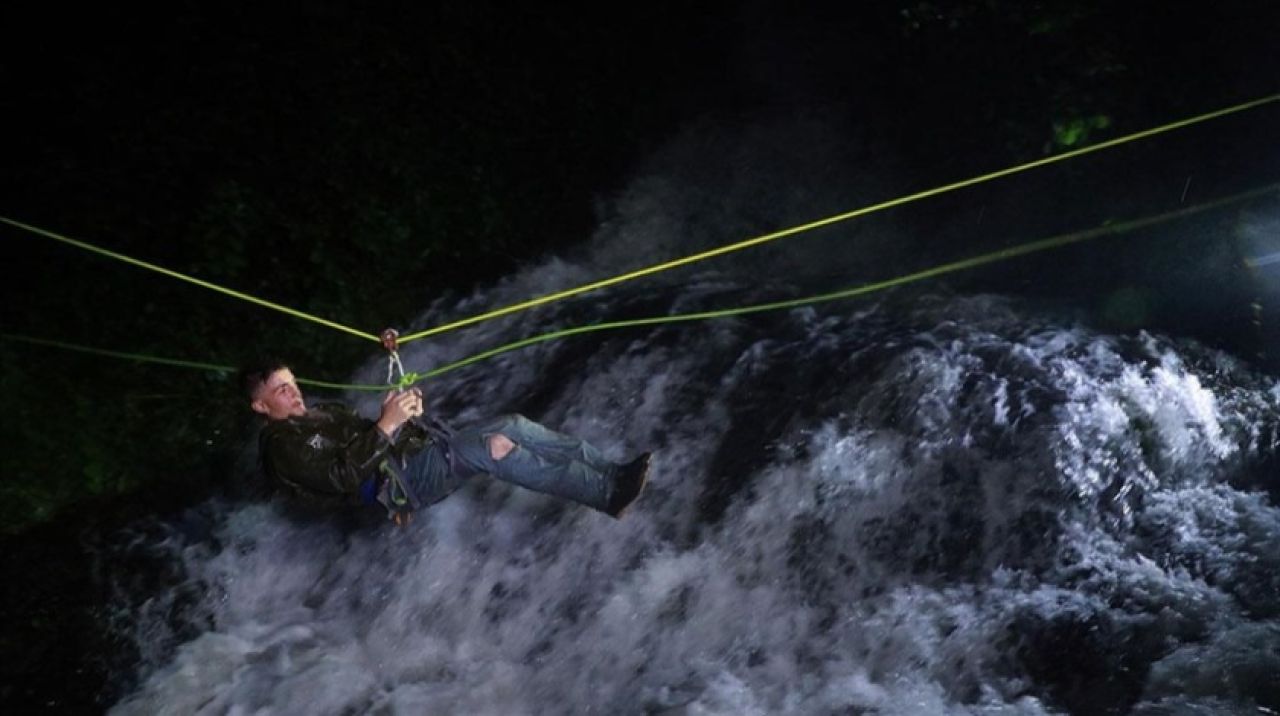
x: 922, y: 506
x: 929, y: 504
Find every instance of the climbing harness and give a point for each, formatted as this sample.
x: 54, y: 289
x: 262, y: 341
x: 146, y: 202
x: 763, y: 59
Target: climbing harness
x: 395, y: 494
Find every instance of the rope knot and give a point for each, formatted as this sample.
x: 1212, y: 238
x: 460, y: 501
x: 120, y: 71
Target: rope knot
x: 407, y: 380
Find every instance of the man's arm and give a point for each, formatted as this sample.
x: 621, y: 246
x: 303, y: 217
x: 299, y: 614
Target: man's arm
x: 397, y: 409
x: 336, y: 457
x: 330, y: 461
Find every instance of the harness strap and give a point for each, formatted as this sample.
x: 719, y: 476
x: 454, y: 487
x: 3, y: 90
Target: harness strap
x: 397, y: 495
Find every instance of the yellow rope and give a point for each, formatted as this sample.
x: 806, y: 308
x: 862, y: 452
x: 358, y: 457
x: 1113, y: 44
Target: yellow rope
x: 189, y: 279
x: 669, y: 264
x: 933, y: 272
x: 953, y: 267
x: 160, y: 360
x: 720, y: 251
x: 122, y: 355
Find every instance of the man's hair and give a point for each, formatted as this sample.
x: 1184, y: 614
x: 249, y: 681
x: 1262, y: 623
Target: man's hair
x: 252, y: 375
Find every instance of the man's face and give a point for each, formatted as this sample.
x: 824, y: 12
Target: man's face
x: 279, y: 398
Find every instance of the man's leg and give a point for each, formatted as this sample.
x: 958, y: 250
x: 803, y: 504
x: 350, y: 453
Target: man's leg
x: 517, y: 450
x: 549, y: 442
x: 431, y: 476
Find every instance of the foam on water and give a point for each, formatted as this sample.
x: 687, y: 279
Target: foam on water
x: 964, y: 503
x: 930, y: 504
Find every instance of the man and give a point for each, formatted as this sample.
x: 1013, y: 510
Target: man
x: 328, y: 454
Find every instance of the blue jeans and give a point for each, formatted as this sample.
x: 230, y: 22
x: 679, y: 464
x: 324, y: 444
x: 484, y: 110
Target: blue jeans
x: 543, y: 460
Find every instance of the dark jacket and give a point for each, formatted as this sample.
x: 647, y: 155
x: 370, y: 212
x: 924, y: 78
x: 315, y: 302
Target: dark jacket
x: 325, y: 455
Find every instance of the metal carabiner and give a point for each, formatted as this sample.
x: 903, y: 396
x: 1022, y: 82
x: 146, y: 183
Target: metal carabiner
x: 391, y: 341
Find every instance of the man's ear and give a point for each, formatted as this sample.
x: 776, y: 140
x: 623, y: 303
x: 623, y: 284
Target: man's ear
x: 259, y: 407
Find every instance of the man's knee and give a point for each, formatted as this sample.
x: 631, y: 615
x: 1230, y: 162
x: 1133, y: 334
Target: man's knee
x: 516, y: 420
x: 500, y: 446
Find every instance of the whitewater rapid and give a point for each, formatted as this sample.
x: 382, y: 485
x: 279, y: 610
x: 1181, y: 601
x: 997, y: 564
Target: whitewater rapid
x: 935, y: 501
x: 927, y: 505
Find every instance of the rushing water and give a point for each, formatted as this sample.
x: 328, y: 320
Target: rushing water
x: 925, y: 504
x: 943, y: 506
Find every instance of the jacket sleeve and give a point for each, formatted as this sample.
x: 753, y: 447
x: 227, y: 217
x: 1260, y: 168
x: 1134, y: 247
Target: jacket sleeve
x: 335, y: 466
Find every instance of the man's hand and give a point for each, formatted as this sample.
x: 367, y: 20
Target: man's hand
x: 398, y: 408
